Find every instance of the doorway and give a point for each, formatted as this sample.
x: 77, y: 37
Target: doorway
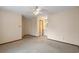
x: 42, y: 26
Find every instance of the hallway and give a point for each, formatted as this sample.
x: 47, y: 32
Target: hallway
x: 38, y: 45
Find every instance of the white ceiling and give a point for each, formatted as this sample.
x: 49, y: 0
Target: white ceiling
x: 27, y: 11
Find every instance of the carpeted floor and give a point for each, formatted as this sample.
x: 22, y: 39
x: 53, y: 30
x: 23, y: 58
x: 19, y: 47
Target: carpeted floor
x: 38, y: 45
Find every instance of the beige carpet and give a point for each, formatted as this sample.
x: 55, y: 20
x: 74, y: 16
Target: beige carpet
x: 38, y: 45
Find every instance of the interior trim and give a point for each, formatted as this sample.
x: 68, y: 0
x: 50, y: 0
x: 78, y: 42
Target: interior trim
x: 63, y: 42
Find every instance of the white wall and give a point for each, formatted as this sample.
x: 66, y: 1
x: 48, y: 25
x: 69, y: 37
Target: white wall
x: 64, y: 26
x: 29, y: 26
x: 25, y: 26
x: 33, y: 27
x: 10, y: 26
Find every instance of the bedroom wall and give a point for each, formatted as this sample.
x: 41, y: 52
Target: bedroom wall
x: 10, y: 26
x: 34, y: 27
x: 25, y: 26
x: 29, y: 26
x: 64, y: 26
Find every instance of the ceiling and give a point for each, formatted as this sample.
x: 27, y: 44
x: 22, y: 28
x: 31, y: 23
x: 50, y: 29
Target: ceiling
x: 27, y: 11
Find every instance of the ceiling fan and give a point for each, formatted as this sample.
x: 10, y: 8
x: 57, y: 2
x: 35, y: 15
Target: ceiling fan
x: 37, y: 10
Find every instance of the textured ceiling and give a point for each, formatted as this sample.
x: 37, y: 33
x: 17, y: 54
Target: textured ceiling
x: 27, y: 11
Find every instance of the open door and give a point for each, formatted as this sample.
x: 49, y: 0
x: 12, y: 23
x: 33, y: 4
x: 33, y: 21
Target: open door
x: 42, y: 26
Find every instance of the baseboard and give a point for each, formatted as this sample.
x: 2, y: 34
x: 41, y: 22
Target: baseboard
x: 10, y: 42
x: 30, y: 35
x: 15, y: 40
x: 64, y: 42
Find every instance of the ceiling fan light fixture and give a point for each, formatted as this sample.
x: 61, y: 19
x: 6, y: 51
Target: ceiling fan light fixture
x: 36, y: 11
